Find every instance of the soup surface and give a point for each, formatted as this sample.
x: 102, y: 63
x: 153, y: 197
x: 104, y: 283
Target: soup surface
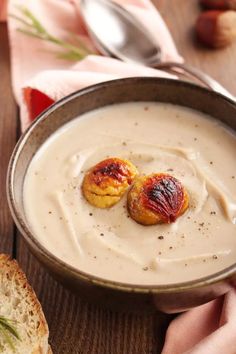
x: 107, y: 243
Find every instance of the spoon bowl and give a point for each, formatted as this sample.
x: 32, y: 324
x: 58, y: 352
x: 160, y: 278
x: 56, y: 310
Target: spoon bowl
x: 124, y: 30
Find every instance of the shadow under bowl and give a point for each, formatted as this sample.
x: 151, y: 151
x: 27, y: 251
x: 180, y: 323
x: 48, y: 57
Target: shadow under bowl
x: 168, y: 298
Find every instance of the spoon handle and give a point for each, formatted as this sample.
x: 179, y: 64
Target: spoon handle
x: 199, y: 75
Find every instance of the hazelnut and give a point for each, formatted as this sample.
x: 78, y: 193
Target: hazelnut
x: 219, y: 4
x: 216, y: 28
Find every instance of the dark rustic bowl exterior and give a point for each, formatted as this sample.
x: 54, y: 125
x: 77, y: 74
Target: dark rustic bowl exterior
x: 168, y: 298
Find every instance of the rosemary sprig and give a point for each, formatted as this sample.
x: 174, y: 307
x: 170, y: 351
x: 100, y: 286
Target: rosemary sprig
x: 33, y: 27
x: 9, y: 332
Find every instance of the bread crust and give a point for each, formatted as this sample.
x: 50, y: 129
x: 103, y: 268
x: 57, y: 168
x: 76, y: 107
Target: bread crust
x: 11, y: 271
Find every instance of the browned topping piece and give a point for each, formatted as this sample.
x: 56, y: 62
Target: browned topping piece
x: 158, y: 198
x: 111, y: 168
x: 105, y: 183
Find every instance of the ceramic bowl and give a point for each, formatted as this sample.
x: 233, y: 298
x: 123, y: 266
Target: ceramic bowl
x: 168, y: 298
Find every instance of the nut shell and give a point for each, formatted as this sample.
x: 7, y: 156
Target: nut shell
x: 105, y: 183
x: 219, y: 4
x: 156, y: 199
x: 216, y: 29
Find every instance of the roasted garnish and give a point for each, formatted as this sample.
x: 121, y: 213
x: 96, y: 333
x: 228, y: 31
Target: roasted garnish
x: 157, y: 198
x: 105, y: 183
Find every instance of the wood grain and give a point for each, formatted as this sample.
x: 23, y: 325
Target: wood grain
x: 180, y: 16
x: 8, y: 117
x: 76, y: 326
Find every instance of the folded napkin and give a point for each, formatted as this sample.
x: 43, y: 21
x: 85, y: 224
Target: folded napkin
x: 40, y: 78
x: 207, y: 329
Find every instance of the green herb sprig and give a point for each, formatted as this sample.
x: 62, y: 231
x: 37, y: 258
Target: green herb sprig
x: 9, y: 332
x: 33, y: 27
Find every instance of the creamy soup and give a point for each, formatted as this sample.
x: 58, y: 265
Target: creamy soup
x: 107, y: 243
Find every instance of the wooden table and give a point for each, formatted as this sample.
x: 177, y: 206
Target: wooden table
x: 77, y: 326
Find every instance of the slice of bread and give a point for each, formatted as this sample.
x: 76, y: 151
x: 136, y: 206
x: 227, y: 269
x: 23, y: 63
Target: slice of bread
x: 19, y: 303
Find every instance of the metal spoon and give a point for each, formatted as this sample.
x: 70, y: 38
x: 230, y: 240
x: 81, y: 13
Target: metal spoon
x: 119, y: 34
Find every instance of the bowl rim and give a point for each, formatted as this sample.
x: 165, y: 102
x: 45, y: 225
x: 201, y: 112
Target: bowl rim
x: 40, y: 250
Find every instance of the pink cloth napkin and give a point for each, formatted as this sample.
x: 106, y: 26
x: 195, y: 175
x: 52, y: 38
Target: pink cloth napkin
x: 37, y: 74
x: 207, y: 329
x: 39, y: 79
